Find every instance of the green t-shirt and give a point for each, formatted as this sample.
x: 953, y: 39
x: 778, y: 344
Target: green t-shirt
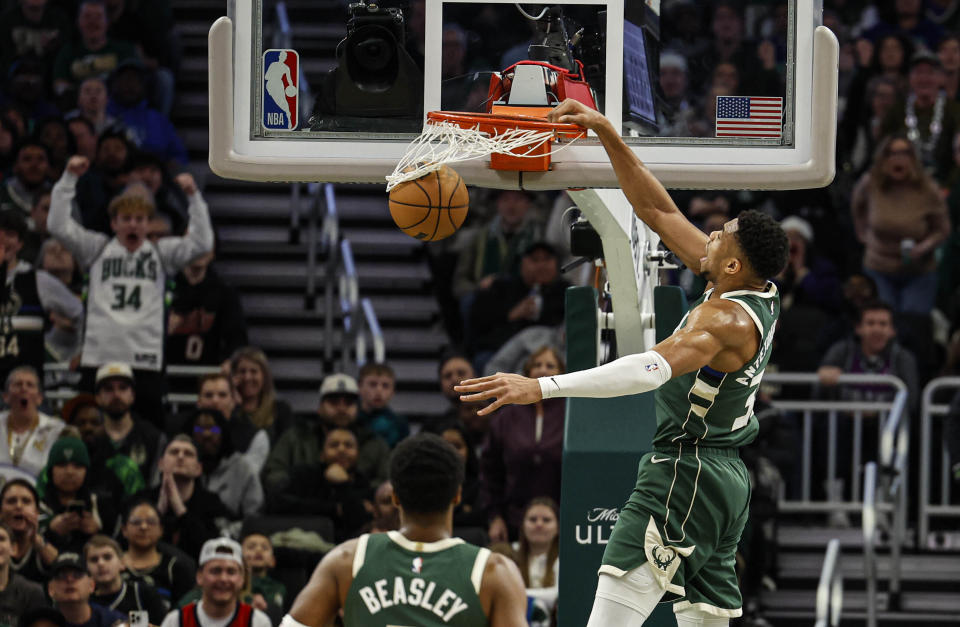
x: 272, y: 590
x: 76, y: 62
x: 400, y: 582
x: 712, y: 408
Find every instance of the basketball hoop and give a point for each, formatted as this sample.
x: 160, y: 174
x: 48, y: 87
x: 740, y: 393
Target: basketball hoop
x: 515, y: 141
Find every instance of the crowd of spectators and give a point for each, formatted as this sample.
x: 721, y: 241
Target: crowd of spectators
x: 108, y: 248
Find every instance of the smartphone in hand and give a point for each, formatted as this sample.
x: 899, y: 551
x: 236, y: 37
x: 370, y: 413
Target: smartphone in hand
x: 138, y: 618
x: 76, y: 507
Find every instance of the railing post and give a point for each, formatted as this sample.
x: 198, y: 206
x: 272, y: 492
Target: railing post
x: 830, y: 588
x: 869, y: 521
x: 294, y: 236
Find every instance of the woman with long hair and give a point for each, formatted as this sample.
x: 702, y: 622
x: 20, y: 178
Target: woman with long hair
x: 521, y: 459
x: 900, y: 218
x: 537, y: 552
x: 253, y: 381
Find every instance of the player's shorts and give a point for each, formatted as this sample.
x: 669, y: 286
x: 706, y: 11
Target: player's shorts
x: 684, y: 518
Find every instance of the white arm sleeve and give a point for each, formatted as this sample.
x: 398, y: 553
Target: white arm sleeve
x: 632, y: 374
x: 289, y: 621
x: 177, y: 252
x: 82, y: 243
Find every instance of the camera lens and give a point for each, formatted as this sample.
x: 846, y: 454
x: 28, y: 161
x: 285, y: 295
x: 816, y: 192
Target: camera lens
x: 374, y: 53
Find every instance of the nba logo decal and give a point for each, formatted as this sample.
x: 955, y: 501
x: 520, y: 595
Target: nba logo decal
x: 280, y: 89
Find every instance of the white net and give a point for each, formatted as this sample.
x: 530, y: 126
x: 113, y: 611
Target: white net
x: 443, y: 143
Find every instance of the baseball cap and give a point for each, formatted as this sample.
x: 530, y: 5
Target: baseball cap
x: 670, y: 58
x: 338, y: 383
x: 66, y: 561
x: 540, y: 245
x: 925, y: 56
x: 114, y: 370
x: 801, y: 226
x: 68, y: 449
x: 221, y: 549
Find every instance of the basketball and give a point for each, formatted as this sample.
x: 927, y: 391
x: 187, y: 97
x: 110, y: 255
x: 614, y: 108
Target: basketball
x: 431, y: 207
x: 291, y: 91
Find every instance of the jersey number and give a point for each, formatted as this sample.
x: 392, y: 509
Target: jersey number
x: 9, y: 347
x: 744, y: 420
x: 122, y: 300
x: 194, y: 349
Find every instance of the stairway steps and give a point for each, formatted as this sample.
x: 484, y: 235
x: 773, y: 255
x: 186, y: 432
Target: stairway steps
x: 914, y: 567
x: 256, y: 254
x: 815, y: 537
x: 293, y: 274
x: 856, y: 601
x: 267, y: 203
x: 374, y: 242
x: 310, y: 338
x: 389, y: 308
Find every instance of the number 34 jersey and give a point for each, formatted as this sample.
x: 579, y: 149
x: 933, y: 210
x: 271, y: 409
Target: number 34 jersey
x: 125, y: 307
x: 713, y: 408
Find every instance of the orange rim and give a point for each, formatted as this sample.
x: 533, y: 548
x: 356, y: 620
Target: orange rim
x: 504, y: 122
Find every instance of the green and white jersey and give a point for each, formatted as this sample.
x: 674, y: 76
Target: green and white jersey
x: 712, y: 408
x: 401, y: 583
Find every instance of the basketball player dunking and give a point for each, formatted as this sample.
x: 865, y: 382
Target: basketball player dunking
x: 419, y: 575
x: 677, y: 534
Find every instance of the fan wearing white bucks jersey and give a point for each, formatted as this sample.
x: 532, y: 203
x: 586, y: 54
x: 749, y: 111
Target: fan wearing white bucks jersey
x: 127, y: 273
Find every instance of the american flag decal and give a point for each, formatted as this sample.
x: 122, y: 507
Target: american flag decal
x: 749, y: 116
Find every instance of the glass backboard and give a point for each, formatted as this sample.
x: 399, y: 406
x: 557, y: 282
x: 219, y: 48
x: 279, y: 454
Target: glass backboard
x: 709, y: 94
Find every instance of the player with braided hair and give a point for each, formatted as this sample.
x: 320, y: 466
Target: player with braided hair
x: 677, y: 534
x: 418, y: 575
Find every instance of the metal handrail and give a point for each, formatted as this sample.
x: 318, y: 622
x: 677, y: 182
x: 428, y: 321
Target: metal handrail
x: 832, y: 408
x: 328, y: 238
x: 372, y: 326
x: 892, y: 429
x: 869, y: 522
x: 926, y: 506
x: 348, y: 284
x: 830, y: 588
x: 283, y: 35
x: 283, y: 39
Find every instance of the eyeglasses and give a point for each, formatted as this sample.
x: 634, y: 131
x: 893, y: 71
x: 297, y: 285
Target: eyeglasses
x: 214, y: 429
x: 149, y: 522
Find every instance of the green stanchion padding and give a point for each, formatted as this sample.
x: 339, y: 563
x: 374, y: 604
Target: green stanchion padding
x: 603, y: 442
x: 669, y: 303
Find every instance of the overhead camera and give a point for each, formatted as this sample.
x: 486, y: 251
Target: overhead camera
x: 563, y: 41
x: 555, y: 45
x: 375, y: 76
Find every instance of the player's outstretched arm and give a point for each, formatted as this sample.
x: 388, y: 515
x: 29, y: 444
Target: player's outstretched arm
x: 323, y: 596
x: 503, y: 594
x: 646, y: 194
x: 718, y: 333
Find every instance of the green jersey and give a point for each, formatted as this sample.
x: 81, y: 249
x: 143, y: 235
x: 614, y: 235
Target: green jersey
x: 399, y: 583
x: 712, y: 408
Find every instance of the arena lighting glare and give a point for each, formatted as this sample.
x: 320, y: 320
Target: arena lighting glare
x: 375, y: 76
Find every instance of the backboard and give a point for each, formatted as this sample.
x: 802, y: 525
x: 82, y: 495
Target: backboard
x: 763, y: 119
